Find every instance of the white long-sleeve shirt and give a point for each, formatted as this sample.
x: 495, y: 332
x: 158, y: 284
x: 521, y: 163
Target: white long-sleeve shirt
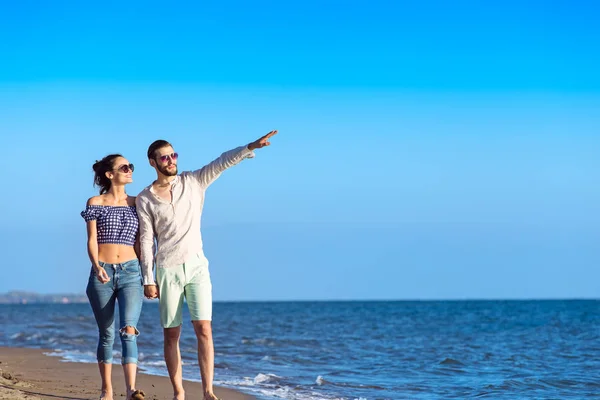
x: 176, y: 225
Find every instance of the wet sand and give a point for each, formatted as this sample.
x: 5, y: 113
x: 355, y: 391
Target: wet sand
x: 29, y: 374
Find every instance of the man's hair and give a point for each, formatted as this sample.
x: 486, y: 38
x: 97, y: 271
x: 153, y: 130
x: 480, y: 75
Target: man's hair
x: 157, y: 144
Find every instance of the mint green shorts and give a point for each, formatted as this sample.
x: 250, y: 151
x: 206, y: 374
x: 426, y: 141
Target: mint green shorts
x: 190, y: 280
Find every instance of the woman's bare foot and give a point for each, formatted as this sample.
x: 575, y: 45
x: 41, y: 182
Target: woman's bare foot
x: 136, y: 395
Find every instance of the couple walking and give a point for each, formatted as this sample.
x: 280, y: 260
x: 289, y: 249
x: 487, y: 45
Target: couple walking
x: 128, y: 236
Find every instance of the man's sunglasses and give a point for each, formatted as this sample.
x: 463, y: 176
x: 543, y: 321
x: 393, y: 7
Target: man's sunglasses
x: 165, y: 158
x: 125, y: 168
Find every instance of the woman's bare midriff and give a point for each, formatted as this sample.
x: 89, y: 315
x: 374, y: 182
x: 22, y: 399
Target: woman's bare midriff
x: 115, y: 253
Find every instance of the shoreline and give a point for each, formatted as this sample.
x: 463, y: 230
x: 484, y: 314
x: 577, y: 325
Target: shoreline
x: 27, y: 373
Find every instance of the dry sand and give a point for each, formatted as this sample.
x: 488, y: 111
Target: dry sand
x: 29, y: 374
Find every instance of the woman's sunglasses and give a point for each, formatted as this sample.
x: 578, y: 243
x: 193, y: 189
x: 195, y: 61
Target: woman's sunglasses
x: 165, y: 158
x: 125, y: 168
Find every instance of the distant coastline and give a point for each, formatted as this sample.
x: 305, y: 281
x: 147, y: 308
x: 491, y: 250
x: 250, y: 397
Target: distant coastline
x: 22, y: 297
x: 25, y: 297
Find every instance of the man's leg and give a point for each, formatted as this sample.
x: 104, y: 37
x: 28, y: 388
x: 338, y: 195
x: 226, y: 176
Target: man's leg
x: 171, y: 306
x: 198, y: 293
x: 206, y: 356
x: 173, y: 360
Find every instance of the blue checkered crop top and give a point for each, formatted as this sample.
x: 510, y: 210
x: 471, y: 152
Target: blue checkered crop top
x: 114, y: 224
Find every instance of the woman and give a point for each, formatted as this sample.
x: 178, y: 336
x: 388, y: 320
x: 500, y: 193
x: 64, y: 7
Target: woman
x: 112, y: 228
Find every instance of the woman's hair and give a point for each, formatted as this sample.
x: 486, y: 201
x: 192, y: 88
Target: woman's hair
x: 101, y: 168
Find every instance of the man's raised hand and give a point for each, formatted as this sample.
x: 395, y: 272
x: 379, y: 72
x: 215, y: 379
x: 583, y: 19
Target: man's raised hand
x: 262, y: 142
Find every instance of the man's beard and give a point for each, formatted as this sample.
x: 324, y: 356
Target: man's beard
x: 163, y: 170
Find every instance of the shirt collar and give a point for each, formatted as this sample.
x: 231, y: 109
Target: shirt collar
x: 173, y: 183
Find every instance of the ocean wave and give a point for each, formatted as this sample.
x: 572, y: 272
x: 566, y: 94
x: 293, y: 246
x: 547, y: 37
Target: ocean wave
x: 160, y: 363
x: 277, y: 387
x: 259, y: 379
x: 74, y: 355
x: 283, y: 342
x: 262, y: 341
x: 289, y: 393
x: 265, y: 388
x: 264, y: 378
x: 450, y: 361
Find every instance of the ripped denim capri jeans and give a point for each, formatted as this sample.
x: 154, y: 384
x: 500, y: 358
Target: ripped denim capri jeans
x: 125, y: 288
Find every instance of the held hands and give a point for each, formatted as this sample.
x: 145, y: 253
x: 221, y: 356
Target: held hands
x: 262, y: 142
x: 101, y: 275
x: 151, y: 292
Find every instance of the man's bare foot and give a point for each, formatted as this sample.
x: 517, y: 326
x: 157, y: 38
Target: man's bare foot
x: 180, y: 395
x: 106, y: 395
x: 210, y: 396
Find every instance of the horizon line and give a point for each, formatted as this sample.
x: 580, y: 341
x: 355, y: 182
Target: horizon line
x: 335, y: 300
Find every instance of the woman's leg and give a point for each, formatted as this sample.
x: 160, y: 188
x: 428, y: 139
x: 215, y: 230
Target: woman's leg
x: 130, y: 297
x: 102, y: 300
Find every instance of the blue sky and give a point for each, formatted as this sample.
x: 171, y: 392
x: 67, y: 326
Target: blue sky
x: 440, y: 150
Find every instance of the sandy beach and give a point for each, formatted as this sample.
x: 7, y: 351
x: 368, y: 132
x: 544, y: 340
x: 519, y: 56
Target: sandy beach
x: 29, y: 374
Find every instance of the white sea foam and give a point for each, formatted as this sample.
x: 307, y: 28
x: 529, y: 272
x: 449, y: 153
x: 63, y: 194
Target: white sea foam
x: 260, y: 379
x: 264, y: 378
x: 33, y: 337
x: 293, y: 394
x: 265, y: 385
x: 160, y: 363
x: 74, y: 355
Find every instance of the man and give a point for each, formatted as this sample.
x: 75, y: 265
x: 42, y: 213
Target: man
x: 169, y: 211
